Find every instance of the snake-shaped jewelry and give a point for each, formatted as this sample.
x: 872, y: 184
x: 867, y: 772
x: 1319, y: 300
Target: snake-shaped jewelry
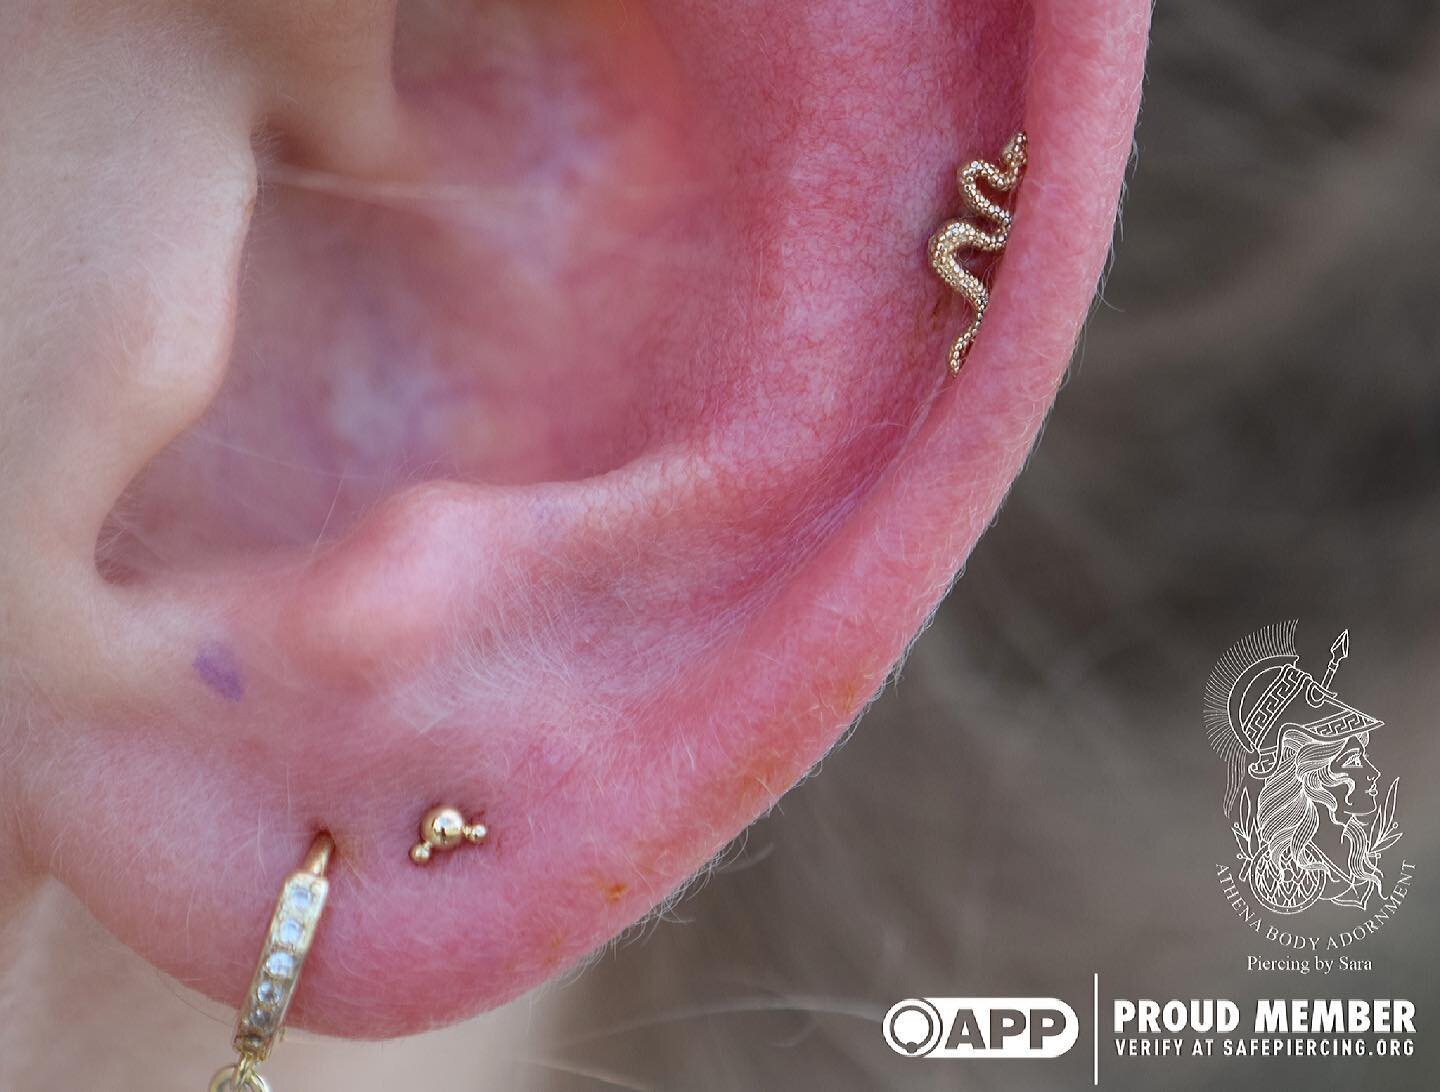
x: 956, y: 235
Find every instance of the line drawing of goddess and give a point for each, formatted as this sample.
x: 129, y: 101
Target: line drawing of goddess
x: 1301, y: 788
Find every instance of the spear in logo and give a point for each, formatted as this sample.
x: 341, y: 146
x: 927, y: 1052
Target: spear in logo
x: 1338, y: 651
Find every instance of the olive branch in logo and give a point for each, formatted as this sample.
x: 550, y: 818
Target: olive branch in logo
x: 1385, y: 831
x: 1244, y: 829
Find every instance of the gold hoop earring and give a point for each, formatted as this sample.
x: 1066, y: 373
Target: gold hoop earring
x: 957, y: 235
x: 292, y: 930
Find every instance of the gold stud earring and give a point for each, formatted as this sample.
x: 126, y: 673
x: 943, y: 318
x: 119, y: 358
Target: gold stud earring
x: 445, y: 828
x: 292, y: 930
x: 957, y: 235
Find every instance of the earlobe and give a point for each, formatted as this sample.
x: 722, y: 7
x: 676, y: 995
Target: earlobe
x: 622, y: 669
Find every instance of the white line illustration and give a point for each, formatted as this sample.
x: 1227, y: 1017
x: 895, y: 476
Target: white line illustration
x: 1301, y: 789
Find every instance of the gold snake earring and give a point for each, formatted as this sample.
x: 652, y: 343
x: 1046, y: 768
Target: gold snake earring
x: 956, y: 235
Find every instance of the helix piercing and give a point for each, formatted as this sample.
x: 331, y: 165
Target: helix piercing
x: 956, y: 235
x: 444, y: 828
x: 287, y: 942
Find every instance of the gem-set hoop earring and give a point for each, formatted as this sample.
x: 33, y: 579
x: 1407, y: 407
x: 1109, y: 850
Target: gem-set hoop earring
x: 287, y: 942
x: 957, y: 235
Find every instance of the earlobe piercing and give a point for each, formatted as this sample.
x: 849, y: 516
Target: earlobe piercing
x: 956, y: 235
x: 292, y: 929
x: 445, y: 828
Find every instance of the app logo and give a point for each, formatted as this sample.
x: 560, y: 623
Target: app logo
x: 981, y: 1027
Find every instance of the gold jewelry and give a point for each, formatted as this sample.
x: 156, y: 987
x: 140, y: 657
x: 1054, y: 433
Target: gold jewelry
x: 445, y: 828
x: 955, y: 235
x: 292, y: 929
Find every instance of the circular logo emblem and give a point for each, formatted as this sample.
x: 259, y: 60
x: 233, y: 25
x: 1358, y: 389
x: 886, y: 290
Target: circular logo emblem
x: 913, y: 1027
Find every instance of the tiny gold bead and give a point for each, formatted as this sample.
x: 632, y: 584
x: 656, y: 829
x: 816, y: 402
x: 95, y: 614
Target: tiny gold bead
x: 420, y: 854
x: 475, y: 833
x: 443, y: 828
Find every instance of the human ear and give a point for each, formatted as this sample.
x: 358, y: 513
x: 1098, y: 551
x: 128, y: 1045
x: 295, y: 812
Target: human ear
x: 570, y: 441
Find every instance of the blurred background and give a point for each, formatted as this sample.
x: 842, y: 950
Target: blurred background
x: 1251, y: 433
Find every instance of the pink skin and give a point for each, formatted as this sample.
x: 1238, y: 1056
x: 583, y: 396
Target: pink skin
x: 722, y: 482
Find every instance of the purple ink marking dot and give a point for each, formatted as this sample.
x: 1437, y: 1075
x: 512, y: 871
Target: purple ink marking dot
x: 216, y: 666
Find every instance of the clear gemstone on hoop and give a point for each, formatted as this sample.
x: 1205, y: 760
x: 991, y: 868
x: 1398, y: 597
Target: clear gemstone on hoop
x: 300, y: 899
x: 268, y: 992
x: 280, y: 964
x: 290, y: 932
